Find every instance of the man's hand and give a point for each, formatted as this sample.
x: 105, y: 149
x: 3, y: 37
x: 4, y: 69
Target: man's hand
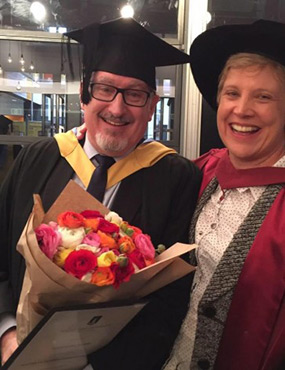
x: 8, y: 343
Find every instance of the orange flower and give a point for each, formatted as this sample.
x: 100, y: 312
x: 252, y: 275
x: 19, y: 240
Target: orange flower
x: 70, y: 219
x: 103, y: 276
x: 92, y: 223
x: 107, y: 241
x: 126, y: 245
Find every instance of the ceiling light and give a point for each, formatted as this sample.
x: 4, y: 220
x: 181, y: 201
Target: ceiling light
x: 22, y: 60
x: 18, y: 87
x: 23, y: 68
x: 9, y: 58
x: 127, y: 11
x: 32, y: 67
x: 38, y: 11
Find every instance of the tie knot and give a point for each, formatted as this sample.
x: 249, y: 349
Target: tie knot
x: 104, y: 161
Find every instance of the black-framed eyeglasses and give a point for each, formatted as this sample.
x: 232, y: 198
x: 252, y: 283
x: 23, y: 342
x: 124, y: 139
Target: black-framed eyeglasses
x: 107, y: 93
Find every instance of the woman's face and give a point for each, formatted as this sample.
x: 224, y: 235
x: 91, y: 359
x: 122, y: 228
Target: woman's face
x: 251, y: 116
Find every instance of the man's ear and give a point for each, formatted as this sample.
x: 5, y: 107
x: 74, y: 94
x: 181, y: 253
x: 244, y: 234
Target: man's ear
x: 154, y: 100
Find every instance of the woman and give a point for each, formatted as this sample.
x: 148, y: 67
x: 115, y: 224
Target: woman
x: 236, y: 318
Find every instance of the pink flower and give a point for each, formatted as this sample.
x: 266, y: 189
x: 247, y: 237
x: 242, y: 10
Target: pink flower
x: 92, y: 238
x: 145, y: 246
x: 48, y: 239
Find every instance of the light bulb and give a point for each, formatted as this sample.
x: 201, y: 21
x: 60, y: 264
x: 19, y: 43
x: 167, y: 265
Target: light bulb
x: 18, y: 87
x: 127, y: 11
x: 1, y: 70
x: 9, y: 58
x: 22, y: 60
x: 23, y: 68
x: 32, y: 67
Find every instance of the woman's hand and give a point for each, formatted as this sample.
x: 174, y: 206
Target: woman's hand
x: 80, y: 131
x: 8, y: 344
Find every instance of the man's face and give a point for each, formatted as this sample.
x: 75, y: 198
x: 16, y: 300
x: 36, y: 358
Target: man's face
x: 251, y: 116
x: 114, y: 128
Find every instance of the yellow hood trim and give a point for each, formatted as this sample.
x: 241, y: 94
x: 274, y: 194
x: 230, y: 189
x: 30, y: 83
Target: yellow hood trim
x: 145, y: 155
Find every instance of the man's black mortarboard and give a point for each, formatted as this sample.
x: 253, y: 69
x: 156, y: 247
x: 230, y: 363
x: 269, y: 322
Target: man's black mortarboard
x: 125, y: 48
x: 210, y: 50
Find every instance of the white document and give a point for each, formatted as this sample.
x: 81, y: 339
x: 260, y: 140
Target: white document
x: 62, y: 340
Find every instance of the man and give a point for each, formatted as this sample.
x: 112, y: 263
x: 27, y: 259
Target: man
x: 156, y: 189
x: 236, y: 317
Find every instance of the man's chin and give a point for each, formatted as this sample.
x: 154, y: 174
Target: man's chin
x: 112, y: 147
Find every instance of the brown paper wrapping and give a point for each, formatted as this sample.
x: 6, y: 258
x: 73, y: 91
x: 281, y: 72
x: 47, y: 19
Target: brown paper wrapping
x: 46, y: 285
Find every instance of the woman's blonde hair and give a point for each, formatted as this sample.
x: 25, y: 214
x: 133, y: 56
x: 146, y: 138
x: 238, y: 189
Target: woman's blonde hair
x: 243, y: 60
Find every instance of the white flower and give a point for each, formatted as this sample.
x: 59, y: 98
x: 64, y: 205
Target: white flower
x: 114, y: 218
x: 88, y: 248
x: 71, y: 237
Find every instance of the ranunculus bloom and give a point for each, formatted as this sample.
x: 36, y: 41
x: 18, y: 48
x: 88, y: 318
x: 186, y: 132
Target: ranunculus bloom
x: 107, y: 241
x: 106, y: 259
x: 79, y: 263
x: 136, y: 231
x: 88, y: 213
x: 126, y: 245
x: 122, y: 274
x: 114, y: 218
x: 48, y: 239
x: 92, y: 223
x: 107, y: 227
x: 137, y: 258
x: 87, y: 247
x: 145, y: 246
x: 70, y: 219
x: 61, y: 255
x: 92, y: 238
x: 103, y: 276
x: 70, y: 238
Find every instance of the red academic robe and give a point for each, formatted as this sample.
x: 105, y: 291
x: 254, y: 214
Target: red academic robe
x: 254, y: 333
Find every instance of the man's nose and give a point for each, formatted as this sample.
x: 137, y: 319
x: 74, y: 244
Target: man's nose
x: 117, y: 106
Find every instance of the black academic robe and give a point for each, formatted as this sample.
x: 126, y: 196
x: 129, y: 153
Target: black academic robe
x: 159, y: 199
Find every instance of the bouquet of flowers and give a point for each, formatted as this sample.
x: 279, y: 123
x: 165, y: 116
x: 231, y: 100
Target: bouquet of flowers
x: 81, y: 256
x: 97, y: 249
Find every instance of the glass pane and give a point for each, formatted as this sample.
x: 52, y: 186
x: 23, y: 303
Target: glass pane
x: 58, y: 15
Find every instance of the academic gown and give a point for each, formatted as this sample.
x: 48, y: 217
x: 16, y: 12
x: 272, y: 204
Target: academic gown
x: 159, y: 199
x: 254, y: 332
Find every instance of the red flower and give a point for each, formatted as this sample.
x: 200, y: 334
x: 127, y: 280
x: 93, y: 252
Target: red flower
x: 78, y: 263
x: 137, y: 258
x: 122, y: 274
x: 70, y: 219
x: 136, y: 231
x: 88, y: 213
x: 107, y: 227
